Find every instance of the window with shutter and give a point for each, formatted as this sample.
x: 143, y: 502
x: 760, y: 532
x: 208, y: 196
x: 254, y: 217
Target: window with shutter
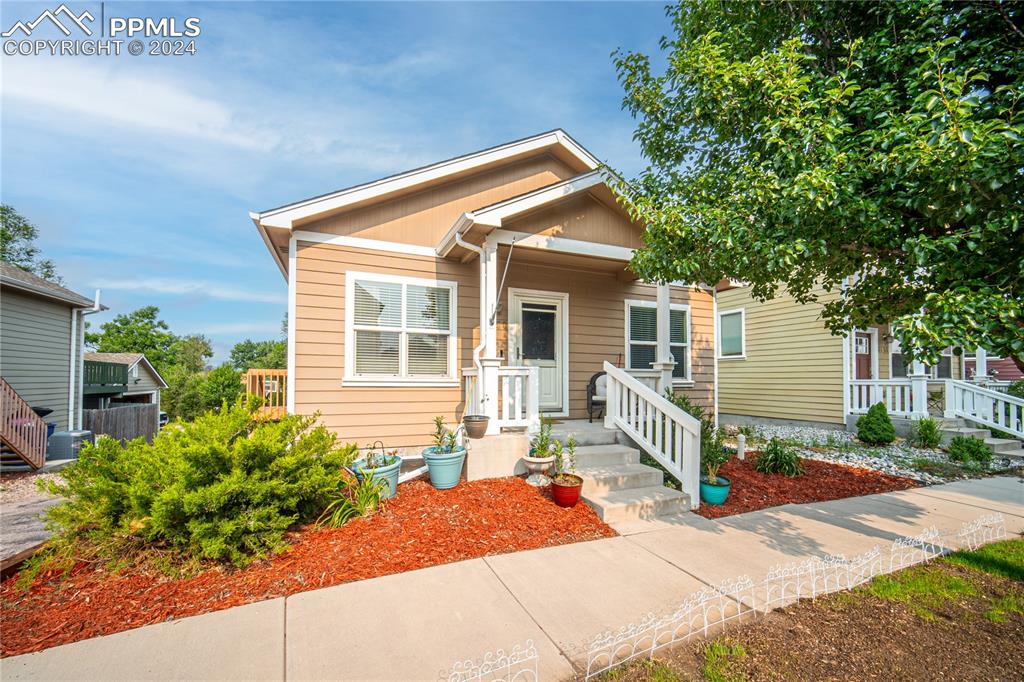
x: 642, y: 337
x: 399, y: 329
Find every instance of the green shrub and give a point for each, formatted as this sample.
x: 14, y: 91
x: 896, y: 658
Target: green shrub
x: 353, y: 498
x: 925, y: 433
x: 778, y: 458
x: 968, y: 449
x: 875, y: 428
x: 226, y: 486
x: 1016, y: 389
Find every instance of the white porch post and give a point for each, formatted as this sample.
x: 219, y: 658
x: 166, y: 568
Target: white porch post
x: 980, y: 364
x: 489, y: 334
x: 919, y: 389
x: 664, y: 363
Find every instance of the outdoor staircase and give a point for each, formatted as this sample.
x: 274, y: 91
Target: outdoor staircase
x: 615, y: 484
x: 1010, y: 449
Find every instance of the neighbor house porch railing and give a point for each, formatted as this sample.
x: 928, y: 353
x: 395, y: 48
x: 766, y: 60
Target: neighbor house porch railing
x: 665, y: 432
x: 518, y: 395
x: 21, y: 428
x: 982, y: 405
x: 272, y: 386
x: 895, y: 394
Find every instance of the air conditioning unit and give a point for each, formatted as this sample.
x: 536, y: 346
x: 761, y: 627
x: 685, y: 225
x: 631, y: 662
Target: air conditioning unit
x: 66, y: 444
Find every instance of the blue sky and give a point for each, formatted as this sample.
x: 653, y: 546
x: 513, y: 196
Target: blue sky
x: 140, y: 171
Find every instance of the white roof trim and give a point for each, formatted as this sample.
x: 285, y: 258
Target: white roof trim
x: 151, y: 368
x: 286, y: 216
x: 494, y: 215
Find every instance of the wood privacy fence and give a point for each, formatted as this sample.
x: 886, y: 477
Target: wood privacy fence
x: 124, y: 423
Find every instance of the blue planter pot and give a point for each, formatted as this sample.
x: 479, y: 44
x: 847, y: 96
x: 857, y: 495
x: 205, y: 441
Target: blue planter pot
x: 388, y: 474
x: 714, y: 493
x: 445, y: 467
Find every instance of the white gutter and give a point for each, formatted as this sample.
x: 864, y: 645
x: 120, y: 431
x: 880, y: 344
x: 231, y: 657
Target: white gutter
x: 77, y: 369
x: 483, y: 308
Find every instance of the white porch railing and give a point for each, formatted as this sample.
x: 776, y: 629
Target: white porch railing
x: 895, y: 394
x: 985, y: 406
x: 518, y: 391
x: 665, y: 432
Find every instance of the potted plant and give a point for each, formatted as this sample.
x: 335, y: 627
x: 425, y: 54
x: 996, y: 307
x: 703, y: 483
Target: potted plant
x: 566, y: 485
x: 475, y: 425
x: 381, y: 466
x: 713, y: 488
x: 541, y: 455
x: 445, y: 459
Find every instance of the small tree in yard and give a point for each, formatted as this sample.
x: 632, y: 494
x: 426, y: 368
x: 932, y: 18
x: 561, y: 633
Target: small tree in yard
x: 870, y: 149
x: 875, y: 428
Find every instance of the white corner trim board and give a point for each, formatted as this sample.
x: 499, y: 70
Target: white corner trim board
x: 292, y: 297
x: 362, y: 243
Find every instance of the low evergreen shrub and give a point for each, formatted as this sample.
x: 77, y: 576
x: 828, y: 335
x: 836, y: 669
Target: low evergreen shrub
x: 226, y: 487
x: 925, y: 433
x: 875, y: 428
x: 968, y: 449
x: 779, y: 458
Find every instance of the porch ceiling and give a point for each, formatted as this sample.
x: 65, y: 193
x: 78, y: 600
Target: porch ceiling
x: 570, y: 261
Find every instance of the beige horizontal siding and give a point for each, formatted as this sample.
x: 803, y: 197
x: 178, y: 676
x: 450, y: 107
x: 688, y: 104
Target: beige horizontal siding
x: 581, y: 218
x: 424, y: 217
x: 793, y: 367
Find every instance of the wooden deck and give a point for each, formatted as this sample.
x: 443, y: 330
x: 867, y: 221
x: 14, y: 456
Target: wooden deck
x: 272, y: 386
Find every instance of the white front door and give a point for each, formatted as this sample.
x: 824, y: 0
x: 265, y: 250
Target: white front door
x: 536, y: 339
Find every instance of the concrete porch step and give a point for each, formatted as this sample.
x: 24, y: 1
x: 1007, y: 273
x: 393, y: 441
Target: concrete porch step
x: 1001, y: 445
x: 949, y: 434
x: 1015, y: 456
x: 605, y: 456
x: 637, y: 503
x: 586, y: 433
x: 602, y: 479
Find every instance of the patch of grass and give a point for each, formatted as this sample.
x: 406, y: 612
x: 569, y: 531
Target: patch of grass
x: 720, y: 658
x: 1004, y: 606
x: 945, y: 469
x: 923, y: 589
x: 1005, y: 559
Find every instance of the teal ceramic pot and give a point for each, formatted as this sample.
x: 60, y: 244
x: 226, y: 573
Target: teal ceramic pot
x: 389, y: 474
x: 445, y: 467
x: 714, y: 493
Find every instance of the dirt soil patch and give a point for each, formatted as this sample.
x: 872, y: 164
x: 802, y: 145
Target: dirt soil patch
x: 821, y: 481
x: 420, y: 527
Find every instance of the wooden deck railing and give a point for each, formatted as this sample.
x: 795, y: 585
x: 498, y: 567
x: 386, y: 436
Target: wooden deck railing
x: 104, y: 377
x: 272, y: 386
x: 21, y: 429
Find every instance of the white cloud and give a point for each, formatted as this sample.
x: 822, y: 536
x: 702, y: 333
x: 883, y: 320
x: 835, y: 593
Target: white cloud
x: 270, y: 329
x: 192, y: 288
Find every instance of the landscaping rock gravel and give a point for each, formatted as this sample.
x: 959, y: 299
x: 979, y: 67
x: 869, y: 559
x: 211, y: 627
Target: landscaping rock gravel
x: 842, y: 447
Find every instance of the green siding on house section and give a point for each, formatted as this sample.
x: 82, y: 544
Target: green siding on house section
x: 793, y: 367
x: 35, y: 347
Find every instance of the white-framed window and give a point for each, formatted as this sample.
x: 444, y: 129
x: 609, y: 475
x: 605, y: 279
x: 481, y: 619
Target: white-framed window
x: 642, y: 337
x: 135, y: 371
x: 732, y: 334
x: 900, y: 367
x: 399, y: 330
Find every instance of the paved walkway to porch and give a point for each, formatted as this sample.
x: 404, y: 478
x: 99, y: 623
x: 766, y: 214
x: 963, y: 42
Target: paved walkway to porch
x: 416, y: 625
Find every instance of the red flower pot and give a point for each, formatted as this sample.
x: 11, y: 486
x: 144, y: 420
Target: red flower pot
x: 566, y: 494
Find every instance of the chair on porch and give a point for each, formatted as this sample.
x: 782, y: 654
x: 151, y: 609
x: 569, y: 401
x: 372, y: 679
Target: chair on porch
x: 597, y: 394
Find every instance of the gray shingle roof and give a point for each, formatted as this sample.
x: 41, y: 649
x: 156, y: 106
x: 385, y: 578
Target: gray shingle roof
x: 13, y: 276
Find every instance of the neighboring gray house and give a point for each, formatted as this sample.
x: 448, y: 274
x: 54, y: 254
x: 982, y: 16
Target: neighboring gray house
x: 144, y: 382
x: 41, y: 336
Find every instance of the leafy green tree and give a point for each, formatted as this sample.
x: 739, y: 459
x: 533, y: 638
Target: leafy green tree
x: 140, y: 331
x: 220, y: 385
x: 191, y: 352
x: 869, y: 148
x: 183, y: 397
x: 17, y: 245
x: 260, y: 354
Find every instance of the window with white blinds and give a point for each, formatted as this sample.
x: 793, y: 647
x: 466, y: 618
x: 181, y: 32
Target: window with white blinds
x: 399, y: 329
x: 642, y: 337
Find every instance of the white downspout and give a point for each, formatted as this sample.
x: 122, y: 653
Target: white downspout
x: 72, y: 366
x: 81, y: 355
x: 483, y: 312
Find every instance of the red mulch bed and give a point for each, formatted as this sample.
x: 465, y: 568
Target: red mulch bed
x: 821, y: 481
x: 421, y: 527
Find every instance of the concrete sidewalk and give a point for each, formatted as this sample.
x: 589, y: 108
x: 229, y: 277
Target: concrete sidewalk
x: 416, y: 625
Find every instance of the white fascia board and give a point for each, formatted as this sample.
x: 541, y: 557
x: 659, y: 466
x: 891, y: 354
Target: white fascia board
x: 152, y: 370
x: 255, y: 217
x: 286, y: 216
x: 363, y: 243
x: 562, y: 244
